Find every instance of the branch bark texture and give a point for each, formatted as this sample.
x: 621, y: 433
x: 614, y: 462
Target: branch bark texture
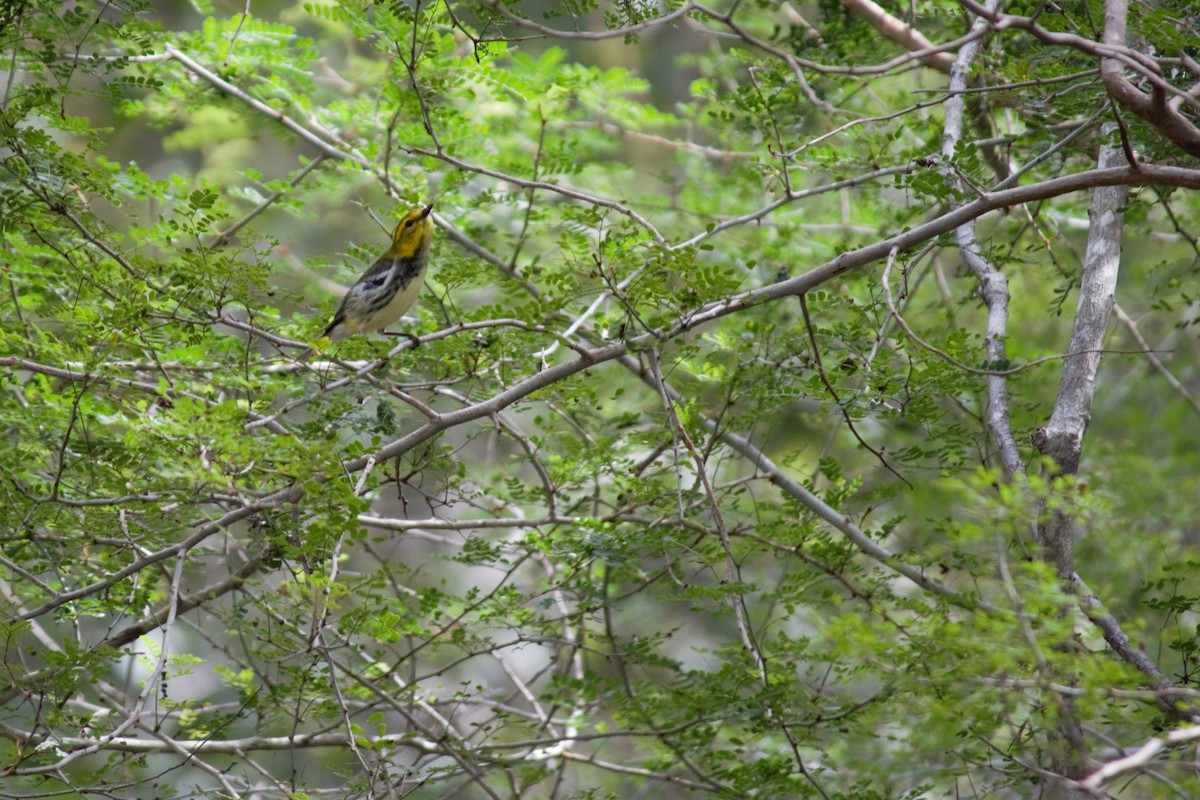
x: 993, y: 285
x: 1152, y: 106
x: 1062, y: 437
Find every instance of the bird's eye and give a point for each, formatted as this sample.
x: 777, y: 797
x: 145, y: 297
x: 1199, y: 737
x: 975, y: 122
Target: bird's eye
x: 408, y: 223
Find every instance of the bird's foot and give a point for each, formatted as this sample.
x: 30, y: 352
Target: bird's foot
x: 416, y: 340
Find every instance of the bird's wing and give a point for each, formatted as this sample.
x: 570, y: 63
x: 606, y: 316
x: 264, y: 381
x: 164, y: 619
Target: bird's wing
x: 378, y: 274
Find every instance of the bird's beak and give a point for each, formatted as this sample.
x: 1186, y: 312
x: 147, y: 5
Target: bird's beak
x: 426, y: 211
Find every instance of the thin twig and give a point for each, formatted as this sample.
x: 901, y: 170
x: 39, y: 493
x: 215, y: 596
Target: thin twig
x: 837, y: 401
x: 1154, y: 360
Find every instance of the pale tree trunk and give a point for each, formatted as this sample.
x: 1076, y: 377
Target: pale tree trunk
x: 1062, y: 437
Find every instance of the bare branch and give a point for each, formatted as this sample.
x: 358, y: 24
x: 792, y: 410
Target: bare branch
x: 1062, y: 437
x: 1153, y: 107
x: 905, y: 35
x: 993, y: 285
x: 1135, y: 761
x: 1154, y: 361
x: 1115, y: 57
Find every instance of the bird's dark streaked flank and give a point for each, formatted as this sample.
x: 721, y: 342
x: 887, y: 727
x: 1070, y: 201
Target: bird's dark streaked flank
x: 391, y: 285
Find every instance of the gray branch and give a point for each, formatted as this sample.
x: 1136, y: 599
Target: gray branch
x: 993, y: 285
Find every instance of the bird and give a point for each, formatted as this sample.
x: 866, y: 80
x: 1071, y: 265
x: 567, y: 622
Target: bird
x: 391, y: 285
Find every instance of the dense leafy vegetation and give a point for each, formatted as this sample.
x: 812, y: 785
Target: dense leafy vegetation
x: 738, y: 448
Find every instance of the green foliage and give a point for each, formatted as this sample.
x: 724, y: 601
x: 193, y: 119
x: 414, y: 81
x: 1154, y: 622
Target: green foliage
x: 630, y: 517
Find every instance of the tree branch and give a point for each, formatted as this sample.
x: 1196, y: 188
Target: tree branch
x: 993, y: 284
x: 906, y: 36
x: 1153, y: 107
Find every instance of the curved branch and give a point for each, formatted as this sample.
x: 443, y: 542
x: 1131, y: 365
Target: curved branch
x: 906, y: 36
x: 993, y: 284
x: 1153, y: 107
x: 1115, y: 56
x: 1138, y: 759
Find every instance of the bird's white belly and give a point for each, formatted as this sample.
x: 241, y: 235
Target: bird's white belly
x: 405, y: 298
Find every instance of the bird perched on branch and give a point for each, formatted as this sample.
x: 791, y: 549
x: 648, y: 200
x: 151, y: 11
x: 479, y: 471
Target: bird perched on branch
x: 390, y: 286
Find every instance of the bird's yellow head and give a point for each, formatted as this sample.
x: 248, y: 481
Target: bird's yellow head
x: 413, y: 232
